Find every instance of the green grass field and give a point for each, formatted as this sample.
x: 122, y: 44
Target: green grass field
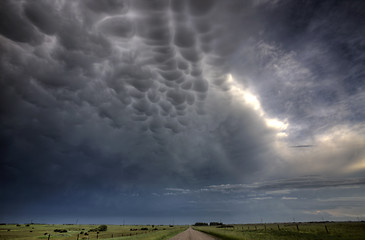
x: 285, y: 231
x: 290, y: 231
x: 42, y: 231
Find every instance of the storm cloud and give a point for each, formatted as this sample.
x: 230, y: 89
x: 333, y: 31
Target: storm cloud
x: 106, y: 104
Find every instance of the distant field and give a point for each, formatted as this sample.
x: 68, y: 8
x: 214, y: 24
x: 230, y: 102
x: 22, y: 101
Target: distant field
x: 42, y: 231
x: 289, y: 231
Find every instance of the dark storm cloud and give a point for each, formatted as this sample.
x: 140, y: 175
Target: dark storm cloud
x: 118, y: 27
x: 92, y: 96
x: 11, y: 16
x: 108, y: 6
x: 104, y: 100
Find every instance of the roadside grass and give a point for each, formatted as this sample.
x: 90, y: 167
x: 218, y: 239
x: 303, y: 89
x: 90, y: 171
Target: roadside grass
x: 81, y: 232
x: 289, y: 231
x: 158, y: 235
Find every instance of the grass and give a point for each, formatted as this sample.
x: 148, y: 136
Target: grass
x: 289, y: 231
x: 115, y: 232
x: 158, y: 235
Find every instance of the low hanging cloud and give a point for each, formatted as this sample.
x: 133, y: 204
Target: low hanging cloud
x: 139, y: 87
x: 107, y: 101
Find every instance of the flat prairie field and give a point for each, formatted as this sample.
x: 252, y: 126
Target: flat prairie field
x: 83, y: 232
x: 288, y: 231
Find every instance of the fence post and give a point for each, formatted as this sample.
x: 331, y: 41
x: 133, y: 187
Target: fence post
x: 78, y: 236
x: 49, y: 236
x: 278, y: 227
x: 326, y: 229
x: 297, y: 227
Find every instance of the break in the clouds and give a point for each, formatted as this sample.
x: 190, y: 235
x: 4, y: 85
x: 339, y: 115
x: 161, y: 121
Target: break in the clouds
x: 191, y: 110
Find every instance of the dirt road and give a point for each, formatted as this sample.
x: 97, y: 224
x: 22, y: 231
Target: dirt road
x: 191, y: 234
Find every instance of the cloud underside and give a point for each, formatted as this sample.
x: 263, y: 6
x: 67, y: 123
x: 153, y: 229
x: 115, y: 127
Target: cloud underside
x: 141, y: 86
x: 124, y: 98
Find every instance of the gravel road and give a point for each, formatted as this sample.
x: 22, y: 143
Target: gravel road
x: 191, y: 234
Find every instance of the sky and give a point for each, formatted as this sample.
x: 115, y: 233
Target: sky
x: 174, y: 112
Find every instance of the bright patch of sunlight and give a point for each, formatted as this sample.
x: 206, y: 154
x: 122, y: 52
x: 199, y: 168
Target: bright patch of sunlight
x: 244, y: 96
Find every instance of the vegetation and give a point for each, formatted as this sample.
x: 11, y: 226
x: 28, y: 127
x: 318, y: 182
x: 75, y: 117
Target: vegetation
x: 215, y: 224
x: 200, y: 224
x: 156, y: 235
x: 282, y: 231
x: 289, y: 231
x: 101, y: 228
x: 82, y: 232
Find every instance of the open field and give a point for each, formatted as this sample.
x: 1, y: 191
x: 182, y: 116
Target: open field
x: 45, y: 231
x: 282, y: 231
x: 289, y: 231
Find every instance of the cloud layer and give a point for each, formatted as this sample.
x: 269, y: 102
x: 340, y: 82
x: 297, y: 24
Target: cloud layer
x: 106, y: 102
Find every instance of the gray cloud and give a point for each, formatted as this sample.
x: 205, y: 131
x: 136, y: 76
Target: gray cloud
x: 104, y: 100
x: 299, y: 183
x: 302, y: 199
x: 282, y: 186
x: 302, y: 146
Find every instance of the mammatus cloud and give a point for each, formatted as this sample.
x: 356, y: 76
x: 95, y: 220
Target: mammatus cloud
x: 101, y: 82
x: 109, y: 102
